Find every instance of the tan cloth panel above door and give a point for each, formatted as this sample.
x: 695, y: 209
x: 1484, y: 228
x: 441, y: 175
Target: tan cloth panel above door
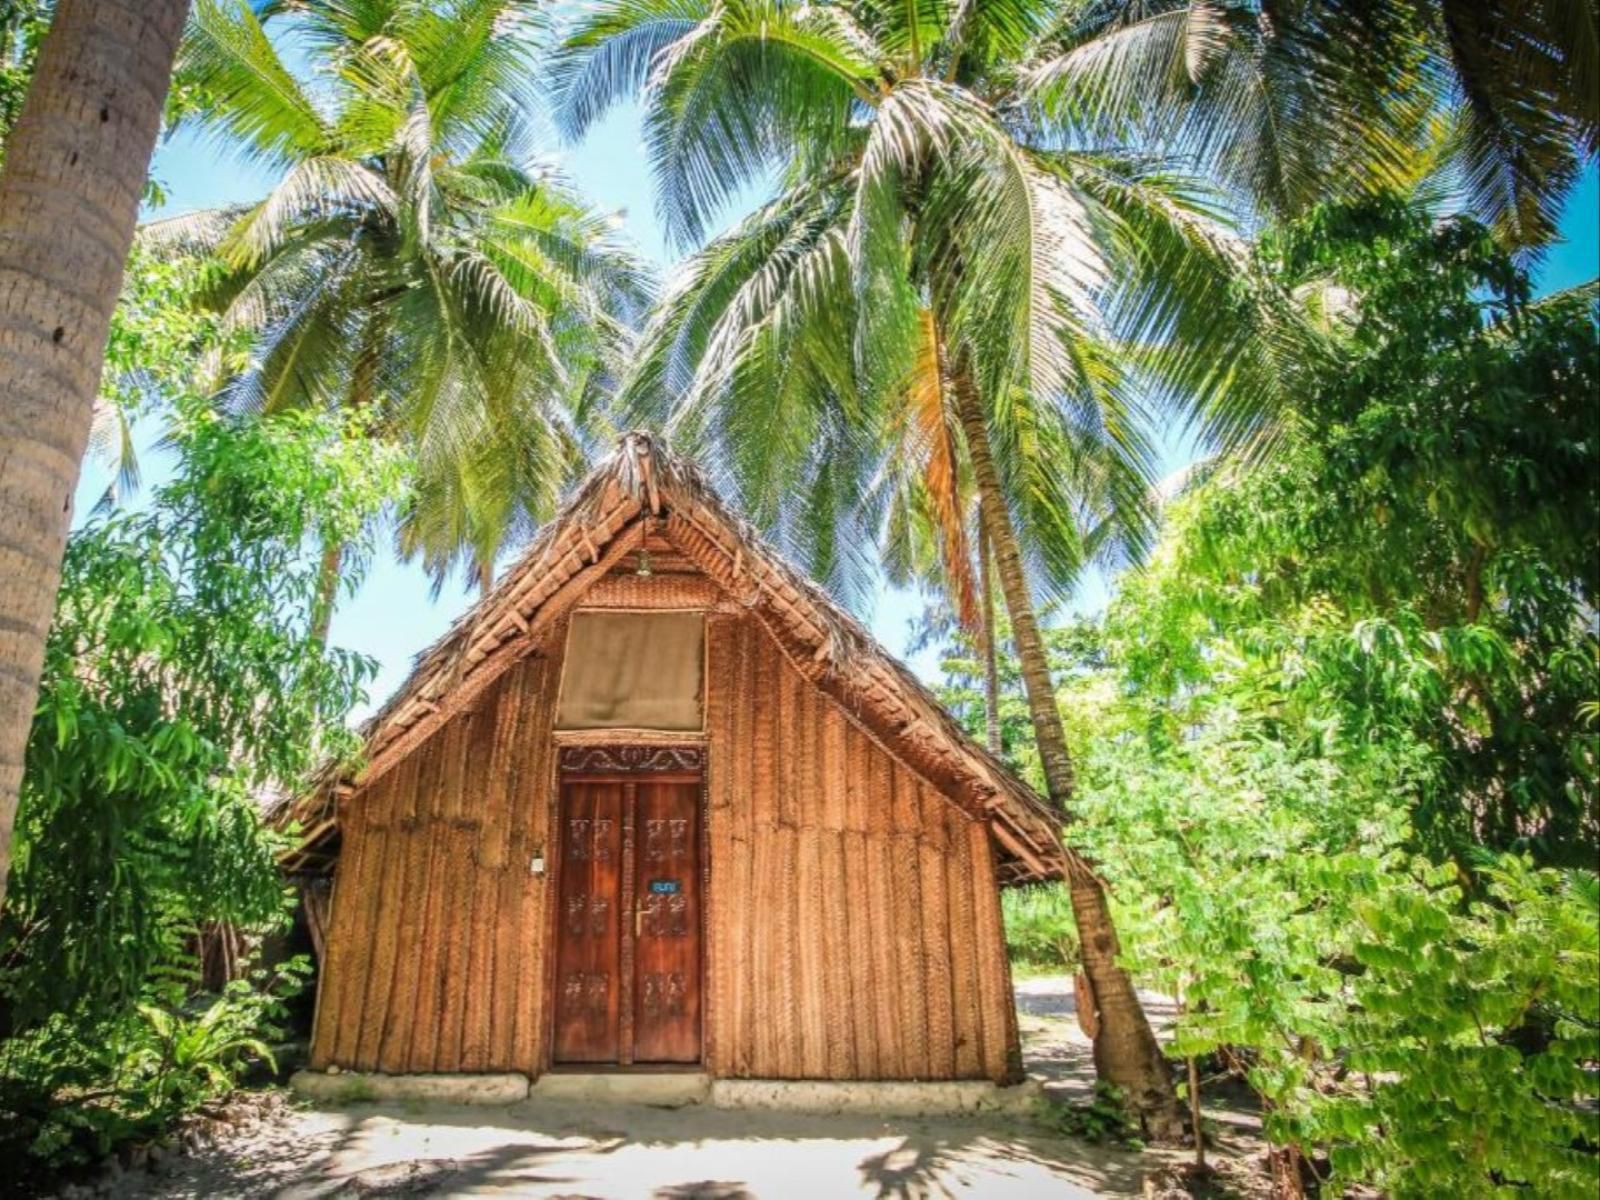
x: 634, y: 670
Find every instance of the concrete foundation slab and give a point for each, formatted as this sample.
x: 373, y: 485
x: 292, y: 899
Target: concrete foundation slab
x: 677, y: 1089
x: 881, y: 1098
x: 349, y: 1087
x: 666, y: 1090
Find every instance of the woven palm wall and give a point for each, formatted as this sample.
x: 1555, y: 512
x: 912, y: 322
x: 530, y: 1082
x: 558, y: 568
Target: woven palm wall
x: 853, y: 923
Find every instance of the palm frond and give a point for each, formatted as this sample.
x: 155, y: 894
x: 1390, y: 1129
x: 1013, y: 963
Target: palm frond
x: 930, y: 442
x: 735, y: 97
x: 1516, y: 145
x: 315, y: 189
x: 199, y: 232
x: 111, y: 444
x: 1282, y: 109
x: 611, y: 50
x: 254, y: 101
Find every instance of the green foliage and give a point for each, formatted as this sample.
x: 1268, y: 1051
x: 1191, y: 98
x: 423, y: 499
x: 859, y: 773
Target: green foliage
x: 1420, y: 553
x: 1477, y: 1023
x: 1040, y: 934
x: 182, y: 686
x: 1103, y: 1119
x: 1339, y: 734
x: 22, y: 27
x: 160, y: 338
x: 73, y: 1092
x: 180, y: 681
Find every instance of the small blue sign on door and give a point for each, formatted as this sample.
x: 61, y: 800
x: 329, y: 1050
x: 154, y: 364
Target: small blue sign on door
x: 664, y: 887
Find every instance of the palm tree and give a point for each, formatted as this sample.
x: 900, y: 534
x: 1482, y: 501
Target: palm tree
x: 932, y: 535
x: 943, y: 286
x: 1287, y: 102
x: 410, y: 263
x: 74, y: 171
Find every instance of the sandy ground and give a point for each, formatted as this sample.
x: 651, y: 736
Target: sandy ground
x: 569, y: 1151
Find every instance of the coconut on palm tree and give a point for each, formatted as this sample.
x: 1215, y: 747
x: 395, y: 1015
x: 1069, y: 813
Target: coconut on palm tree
x: 943, y: 284
x: 411, y: 261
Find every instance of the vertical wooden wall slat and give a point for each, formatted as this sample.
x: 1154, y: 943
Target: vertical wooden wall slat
x: 457, y: 890
x: 840, y: 951
x: 395, y: 1054
x: 722, y: 923
x: 436, y: 923
x: 342, y: 942
x: 989, y: 943
x: 501, y: 708
x: 365, y: 896
x: 741, y: 745
x: 764, y: 998
x: 386, y: 926
x: 962, y: 921
x: 478, y: 980
x: 905, y: 865
x: 535, y: 799
x: 763, y: 732
x: 885, y: 964
x: 811, y: 995
x: 514, y: 851
x: 403, y: 839
x: 380, y: 955
x: 781, y: 960
x: 857, y: 902
x: 938, y: 944
x: 787, y: 742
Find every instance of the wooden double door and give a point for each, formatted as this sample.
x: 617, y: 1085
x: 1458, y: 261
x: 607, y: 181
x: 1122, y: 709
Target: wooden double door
x: 628, y: 920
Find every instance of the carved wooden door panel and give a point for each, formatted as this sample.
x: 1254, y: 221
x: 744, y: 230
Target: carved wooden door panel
x: 588, y: 931
x: 666, y: 954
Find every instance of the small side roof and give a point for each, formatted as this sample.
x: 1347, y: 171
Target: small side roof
x: 643, y: 486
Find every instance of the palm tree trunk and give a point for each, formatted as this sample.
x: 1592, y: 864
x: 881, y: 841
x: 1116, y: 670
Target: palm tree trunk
x: 1126, y: 1053
x: 327, y: 592
x: 485, y: 579
x: 991, y: 663
x: 69, y: 196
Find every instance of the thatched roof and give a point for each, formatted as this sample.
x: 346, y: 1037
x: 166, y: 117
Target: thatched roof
x: 641, y: 488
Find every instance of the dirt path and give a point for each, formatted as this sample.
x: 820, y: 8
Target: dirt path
x: 568, y: 1151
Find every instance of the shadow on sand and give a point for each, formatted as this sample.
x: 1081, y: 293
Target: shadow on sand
x: 538, y: 1149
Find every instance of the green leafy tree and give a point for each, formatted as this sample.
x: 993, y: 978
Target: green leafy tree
x: 1415, y: 1030
x: 412, y: 261
x: 1462, y: 1100
x: 1439, y: 493
x: 159, y: 332
x: 1342, y: 769
x: 183, y: 682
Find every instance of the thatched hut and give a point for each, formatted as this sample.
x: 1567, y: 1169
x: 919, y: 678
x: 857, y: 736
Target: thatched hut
x: 657, y: 799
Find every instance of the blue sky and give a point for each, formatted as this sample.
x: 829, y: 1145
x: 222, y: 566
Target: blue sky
x: 393, y: 617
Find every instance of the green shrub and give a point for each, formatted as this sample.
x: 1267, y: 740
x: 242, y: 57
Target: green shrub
x: 1040, y: 934
x: 1102, y: 1119
x: 77, y: 1086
